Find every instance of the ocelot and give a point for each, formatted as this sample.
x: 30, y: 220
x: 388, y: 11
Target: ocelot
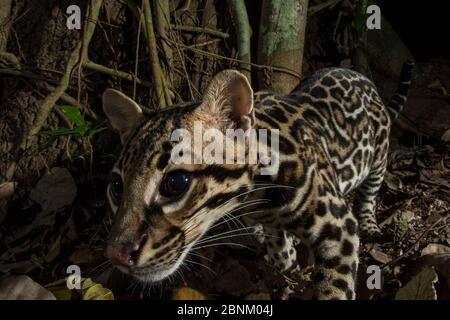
x: 333, y: 139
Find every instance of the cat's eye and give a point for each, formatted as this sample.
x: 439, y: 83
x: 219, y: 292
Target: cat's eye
x: 116, y: 186
x: 175, y: 184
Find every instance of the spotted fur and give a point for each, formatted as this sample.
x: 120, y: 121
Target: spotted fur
x: 334, y: 131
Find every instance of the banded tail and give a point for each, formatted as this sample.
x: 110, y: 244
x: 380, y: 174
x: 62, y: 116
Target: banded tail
x: 398, y: 100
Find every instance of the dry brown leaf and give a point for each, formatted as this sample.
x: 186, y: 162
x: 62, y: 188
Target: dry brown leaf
x: 7, y: 189
x: 435, y: 248
x: 23, y: 288
x: 421, y: 287
x: 438, y: 86
x: 19, y: 267
x: 441, y: 262
x: 434, y: 177
x: 185, y: 293
x: 53, y: 250
x: 82, y: 255
x: 392, y: 181
x: 56, y: 189
x: 379, y: 256
x: 258, y: 296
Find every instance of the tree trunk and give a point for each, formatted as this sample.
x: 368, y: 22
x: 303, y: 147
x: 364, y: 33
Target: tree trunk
x: 281, y: 42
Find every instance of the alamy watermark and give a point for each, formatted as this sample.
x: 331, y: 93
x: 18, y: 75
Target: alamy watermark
x: 74, y: 279
x: 373, y: 20
x: 74, y: 20
x: 235, y: 146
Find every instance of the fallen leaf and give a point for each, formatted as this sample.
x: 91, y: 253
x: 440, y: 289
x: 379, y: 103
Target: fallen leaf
x: 379, y: 256
x: 421, y: 287
x: 234, y: 278
x: 82, y: 255
x: 19, y: 267
x: 56, y: 189
x: 408, y: 215
x: 185, y: 293
x: 446, y: 136
x: 23, y: 288
x: 438, y: 86
x: 53, y: 250
x: 89, y: 290
x: 434, y: 248
x: 258, y: 296
x: 435, y: 177
x: 97, y: 292
x: 392, y: 181
x: 7, y: 189
x: 440, y: 262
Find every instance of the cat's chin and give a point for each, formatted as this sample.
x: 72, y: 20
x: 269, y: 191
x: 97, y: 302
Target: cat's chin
x: 152, y: 275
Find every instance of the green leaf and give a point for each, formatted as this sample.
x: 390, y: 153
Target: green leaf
x: 89, y: 290
x: 421, y: 287
x: 59, y: 132
x: 81, y: 128
x: 97, y: 292
x: 74, y: 115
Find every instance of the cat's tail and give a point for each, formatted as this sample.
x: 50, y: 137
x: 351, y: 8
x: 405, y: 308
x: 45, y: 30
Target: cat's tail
x: 398, y: 100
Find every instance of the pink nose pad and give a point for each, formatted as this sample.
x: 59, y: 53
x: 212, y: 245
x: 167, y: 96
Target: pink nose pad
x: 125, y: 255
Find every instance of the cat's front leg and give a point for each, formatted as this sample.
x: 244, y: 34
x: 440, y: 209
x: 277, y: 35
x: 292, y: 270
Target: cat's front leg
x: 331, y: 231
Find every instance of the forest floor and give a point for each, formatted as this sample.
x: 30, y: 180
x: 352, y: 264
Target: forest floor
x: 64, y: 220
x: 57, y: 224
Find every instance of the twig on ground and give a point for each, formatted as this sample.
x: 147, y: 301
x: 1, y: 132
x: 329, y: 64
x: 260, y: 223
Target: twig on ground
x: 411, y: 248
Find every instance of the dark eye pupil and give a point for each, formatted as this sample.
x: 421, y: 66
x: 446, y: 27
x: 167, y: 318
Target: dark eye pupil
x: 116, y: 186
x: 175, y: 184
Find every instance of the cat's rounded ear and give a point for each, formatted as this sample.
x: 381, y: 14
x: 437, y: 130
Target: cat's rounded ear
x: 123, y: 113
x: 229, y: 100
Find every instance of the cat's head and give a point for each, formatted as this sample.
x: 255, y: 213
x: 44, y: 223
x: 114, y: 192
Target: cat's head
x: 164, y: 199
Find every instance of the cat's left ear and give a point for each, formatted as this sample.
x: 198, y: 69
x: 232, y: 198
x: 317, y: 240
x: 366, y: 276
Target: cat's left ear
x: 228, y: 100
x: 123, y: 113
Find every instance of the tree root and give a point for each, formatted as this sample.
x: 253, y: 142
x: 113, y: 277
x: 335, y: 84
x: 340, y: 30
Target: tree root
x: 243, y: 32
x: 50, y: 101
x: 158, y: 79
x: 193, y: 29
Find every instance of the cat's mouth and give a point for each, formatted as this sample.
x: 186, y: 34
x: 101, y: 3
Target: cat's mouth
x: 150, y: 273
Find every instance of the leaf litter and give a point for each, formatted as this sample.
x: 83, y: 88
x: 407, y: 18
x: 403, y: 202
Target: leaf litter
x: 65, y: 221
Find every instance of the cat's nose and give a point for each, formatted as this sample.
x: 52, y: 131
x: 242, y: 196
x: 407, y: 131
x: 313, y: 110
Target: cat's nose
x: 124, y: 254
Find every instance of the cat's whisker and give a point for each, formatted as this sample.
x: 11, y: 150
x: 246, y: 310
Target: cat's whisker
x: 235, y: 235
x: 226, y: 232
x: 225, y: 244
x: 200, y: 256
x: 202, y: 265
